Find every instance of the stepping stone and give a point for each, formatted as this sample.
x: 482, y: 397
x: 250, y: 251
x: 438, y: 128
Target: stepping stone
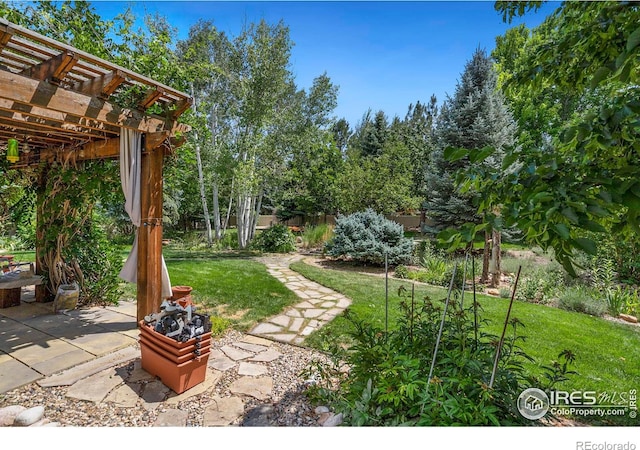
x: 96, y: 387
x: 270, y: 355
x: 294, y: 313
x: 314, y: 323
x: 344, y: 303
x: 139, y: 374
x: 251, y: 369
x: 303, y: 305
x: 125, y: 396
x: 307, y: 331
x: 256, y: 340
x: 235, y: 353
x: 300, y: 294
x: 313, y: 313
x: 172, y: 418
x: 328, y: 304
x: 325, y: 290
x: 264, y: 328
x: 223, y: 363
x: 255, y: 348
x: 70, y: 376
x: 259, y: 387
x: 335, y: 311
x: 14, y: 374
x: 282, y: 337
x: 281, y: 320
x: 297, y: 324
x: 314, y: 301
x: 298, y: 340
x: 154, y: 394
x: 222, y: 411
x: 210, y: 380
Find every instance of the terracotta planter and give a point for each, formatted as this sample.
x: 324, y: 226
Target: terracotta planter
x: 176, y: 359
x: 179, y: 292
x: 172, y: 350
x: 155, y: 336
x: 178, y: 377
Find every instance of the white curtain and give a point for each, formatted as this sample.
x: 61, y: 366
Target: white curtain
x: 130, y: 159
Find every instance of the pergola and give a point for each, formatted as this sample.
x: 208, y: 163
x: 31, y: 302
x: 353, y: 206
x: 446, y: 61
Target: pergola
x: 60, y: 104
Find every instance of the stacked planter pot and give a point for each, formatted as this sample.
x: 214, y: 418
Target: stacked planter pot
x: 182, y: 295
x: 180, y: 365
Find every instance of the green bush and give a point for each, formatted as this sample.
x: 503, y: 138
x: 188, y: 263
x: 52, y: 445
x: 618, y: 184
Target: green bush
x: 317, y: 235
x: 383, y: 380
x: 100, y: 262
x: 276, y: 239
x: 582, y: 299
x: 366, y: 237
x: 401, y: 272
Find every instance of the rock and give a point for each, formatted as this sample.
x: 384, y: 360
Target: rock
x: 493, y: 292
x: 52, y: 424
x: 321, y: 409
x: 628, y: 318
x: 40, y: 423
x: 222, y: 411
x: 258, y: 387
x: 29, y: 416
x: 324, y: 417
x: 8, y: 414
x: 172, y: 418
x: 260, y: 416
x: 333, y: 421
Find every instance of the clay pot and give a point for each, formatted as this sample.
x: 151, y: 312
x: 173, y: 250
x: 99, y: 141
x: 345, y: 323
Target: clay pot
x: 176, y: 359
x: 153, y: 335
x: 179, y: 292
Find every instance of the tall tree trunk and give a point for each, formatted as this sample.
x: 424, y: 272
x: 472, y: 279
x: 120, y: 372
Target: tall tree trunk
x: 495, y: 258
x: 203, y: 197
x: 256, y: 214
x: 245, y: 201
x: 226, y: 219
x: 485, y: 258
x: 216, y: 210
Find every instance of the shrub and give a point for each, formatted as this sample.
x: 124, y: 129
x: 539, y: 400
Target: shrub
x: 366, y: 237
x: 582, y: 299
x: 317, y: 235
x: 401, y: 272
x: 387, y: 382
x: 621, y: 300
x: 276, y: 239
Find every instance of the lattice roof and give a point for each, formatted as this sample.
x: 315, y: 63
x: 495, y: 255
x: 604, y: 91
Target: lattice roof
x: 60, y: 100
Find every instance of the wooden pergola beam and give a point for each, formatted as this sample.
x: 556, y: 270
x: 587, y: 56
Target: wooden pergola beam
x: 6, y: 33
x: 54, y: 69
x: 25, y: 90
x: 102, y: 86
x: 152, y: 96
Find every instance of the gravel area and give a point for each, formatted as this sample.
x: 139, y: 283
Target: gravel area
x: 287, y: 406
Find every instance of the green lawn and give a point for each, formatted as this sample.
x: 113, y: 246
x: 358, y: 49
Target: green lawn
x: 233, y: 287
x: 607, y: 352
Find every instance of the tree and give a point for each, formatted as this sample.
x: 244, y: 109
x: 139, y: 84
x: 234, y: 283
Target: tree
x: 586, y: 178
x: 475, y: 118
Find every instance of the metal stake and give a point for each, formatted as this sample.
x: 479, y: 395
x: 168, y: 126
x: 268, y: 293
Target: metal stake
x: 504, y: 330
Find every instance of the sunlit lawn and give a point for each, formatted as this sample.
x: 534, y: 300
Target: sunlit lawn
x: 607, y: 352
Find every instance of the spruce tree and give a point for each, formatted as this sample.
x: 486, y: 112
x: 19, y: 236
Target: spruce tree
x: 475, y: 117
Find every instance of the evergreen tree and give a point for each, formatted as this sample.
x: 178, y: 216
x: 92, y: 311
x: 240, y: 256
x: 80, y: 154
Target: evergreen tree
x: 475, y: 117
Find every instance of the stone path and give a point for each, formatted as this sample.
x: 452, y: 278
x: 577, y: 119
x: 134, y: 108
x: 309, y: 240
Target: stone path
x: 319, y: 304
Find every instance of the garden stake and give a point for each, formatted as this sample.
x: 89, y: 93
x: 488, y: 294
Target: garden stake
x: 386, y: 292
x: 464, y: 280
x: 504, y: 330
x: 444, y: 315
x: 475, y: 305
x: 413, y: 293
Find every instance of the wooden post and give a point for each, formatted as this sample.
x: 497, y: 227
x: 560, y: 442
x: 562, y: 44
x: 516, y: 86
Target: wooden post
x: 150, y: 232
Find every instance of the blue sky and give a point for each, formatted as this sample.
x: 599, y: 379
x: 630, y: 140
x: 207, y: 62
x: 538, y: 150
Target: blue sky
x: 382, y: 55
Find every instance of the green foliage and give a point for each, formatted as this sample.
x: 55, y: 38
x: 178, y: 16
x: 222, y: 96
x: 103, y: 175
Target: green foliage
x: 275, y: 239
x: 387, y: 382
x: 100, y: 261
x: 574, y: 83
x: 582, y: 299
x: 366, y: 237
x: 315, y: 236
